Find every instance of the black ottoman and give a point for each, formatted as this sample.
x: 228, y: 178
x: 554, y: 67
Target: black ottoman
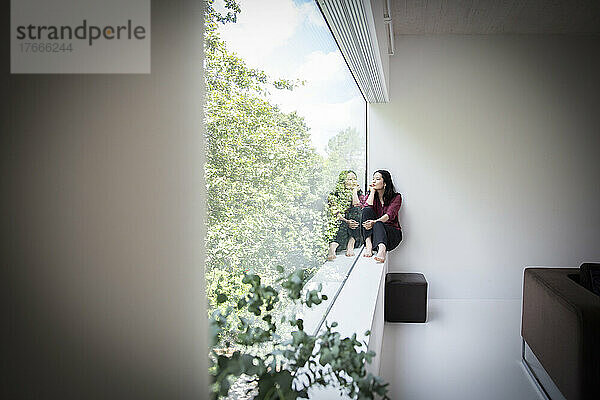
x: 405, y: 297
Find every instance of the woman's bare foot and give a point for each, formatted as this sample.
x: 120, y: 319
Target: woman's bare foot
x: 381, y: 253
x: 368, y: 247
x: 332, y: 248
x: 350, y: 247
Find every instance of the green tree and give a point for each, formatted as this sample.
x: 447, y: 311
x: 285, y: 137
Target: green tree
x: 265, y: 184
x: 345, y: 151
x: 268, y: 189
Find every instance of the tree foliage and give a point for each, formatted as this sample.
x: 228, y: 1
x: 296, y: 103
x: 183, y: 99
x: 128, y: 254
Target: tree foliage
x: 345, y: 151
x: 264, y: 178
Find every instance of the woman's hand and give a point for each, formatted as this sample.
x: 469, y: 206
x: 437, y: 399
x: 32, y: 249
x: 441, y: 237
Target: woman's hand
x: 371, y: 195
x: 368, y: 224
x: 352, y: 223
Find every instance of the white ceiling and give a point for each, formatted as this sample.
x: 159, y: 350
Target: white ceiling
x: 495, y: 16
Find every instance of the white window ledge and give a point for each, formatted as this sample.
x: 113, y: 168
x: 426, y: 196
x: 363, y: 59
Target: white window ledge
x: 358, y: 308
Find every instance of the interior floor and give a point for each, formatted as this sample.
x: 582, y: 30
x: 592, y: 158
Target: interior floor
x: 467, y: 350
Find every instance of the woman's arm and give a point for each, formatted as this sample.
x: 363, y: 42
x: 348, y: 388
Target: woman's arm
x: 394, y: 207
x: 371, y: 197
x: 355, y: 199
x: 392, y: 212
x: 383, y: 218
x: 368, y: 224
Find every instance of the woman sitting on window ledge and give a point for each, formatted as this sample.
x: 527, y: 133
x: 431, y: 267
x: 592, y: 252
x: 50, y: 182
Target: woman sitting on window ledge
x: 381, y: 229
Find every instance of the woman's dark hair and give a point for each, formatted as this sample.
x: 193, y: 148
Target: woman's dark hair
x: 389, y: 192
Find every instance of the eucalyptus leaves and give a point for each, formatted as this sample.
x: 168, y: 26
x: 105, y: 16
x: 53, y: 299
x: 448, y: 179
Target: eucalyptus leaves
x: 296, y: 364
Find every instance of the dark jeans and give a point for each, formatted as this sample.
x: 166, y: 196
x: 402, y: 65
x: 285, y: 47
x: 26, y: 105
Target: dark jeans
x: 344, y: 232
x: 380, y: 232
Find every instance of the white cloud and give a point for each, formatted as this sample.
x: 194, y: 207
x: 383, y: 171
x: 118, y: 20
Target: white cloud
x: 311, y: 13
x: 326, y: 77
x: 326, y: 101
x: 322, y: 67
x: 325, y: 118
x: 262, y: 27
x: 328, y: 119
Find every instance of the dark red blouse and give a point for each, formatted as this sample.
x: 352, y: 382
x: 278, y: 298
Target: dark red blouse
x: 392, y: 209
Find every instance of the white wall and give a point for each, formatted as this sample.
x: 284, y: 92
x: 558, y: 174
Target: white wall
x: 102, y: 233
x: 494, y: 143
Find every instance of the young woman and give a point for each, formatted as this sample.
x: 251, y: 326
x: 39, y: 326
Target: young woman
x: 345, y: 210
x: 381, y: 229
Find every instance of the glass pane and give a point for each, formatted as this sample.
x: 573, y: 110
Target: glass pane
x: 286, y: 134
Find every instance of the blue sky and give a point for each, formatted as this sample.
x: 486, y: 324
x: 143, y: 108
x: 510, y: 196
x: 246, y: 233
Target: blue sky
x: 290, y: 39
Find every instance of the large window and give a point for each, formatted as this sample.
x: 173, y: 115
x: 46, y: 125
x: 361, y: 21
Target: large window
x: 285, y: 124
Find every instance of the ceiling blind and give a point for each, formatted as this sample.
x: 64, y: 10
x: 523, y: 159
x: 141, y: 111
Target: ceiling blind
x: 353, y: 26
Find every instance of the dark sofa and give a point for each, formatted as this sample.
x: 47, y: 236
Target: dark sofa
x: 561, y: 325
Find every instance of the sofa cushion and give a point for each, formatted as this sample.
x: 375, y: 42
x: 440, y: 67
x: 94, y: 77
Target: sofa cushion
x: 561, y: 325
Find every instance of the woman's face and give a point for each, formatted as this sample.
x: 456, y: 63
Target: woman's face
x: 350, y: 180
x: 378, y: 182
